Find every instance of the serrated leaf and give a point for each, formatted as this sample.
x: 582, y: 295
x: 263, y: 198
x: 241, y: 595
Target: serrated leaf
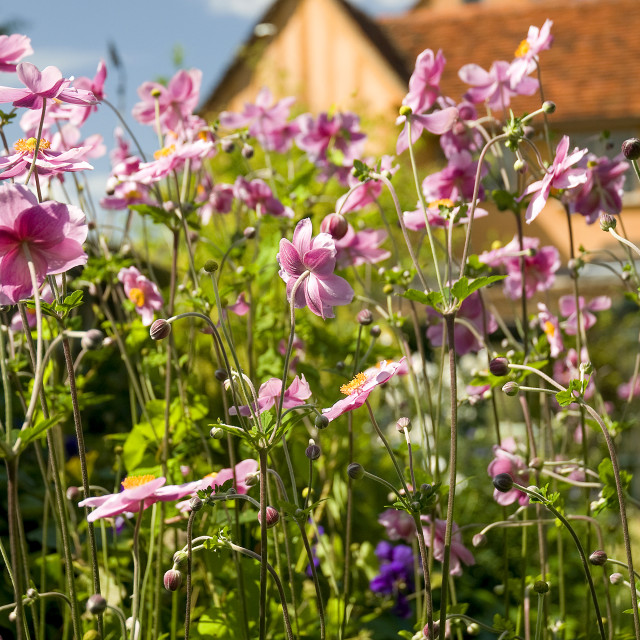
x: 432, y: 299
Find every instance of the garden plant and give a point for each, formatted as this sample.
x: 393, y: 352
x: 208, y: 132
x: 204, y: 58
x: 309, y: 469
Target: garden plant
x: 267, y: 385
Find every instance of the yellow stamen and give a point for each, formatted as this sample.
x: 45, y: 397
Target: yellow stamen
x: 164, y: 152
x: 134, y: 194
x: 495, y: 245
x: 136, y: 296
x: 444, y: 202
x: 549, y: 329
x: 213, y: 474
x: 522, y: 50
x: 29, y: 145
x: 136, y: 481
x: 354, y: 385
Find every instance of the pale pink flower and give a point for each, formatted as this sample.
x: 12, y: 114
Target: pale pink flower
x: 436, y: 122
x: 269, y: 393
x: 257, y: 195
x: 549, y: 324
x: 507, y: 461
x: 440, y: 213
x: 12, y: 48
x: 321, y: 289
x: 96, y: 86
x: 462, y: 136
x: 424, y: 84
x: 240, y: 307
x: 459, y: 553
x: 567, y: 305
x: 361, y: 247
x: 364, y: 193
x: 358, y: 390
x: 456, y: 181
x: 527, y: 53
x: 50, y: 233
x: 142, y: 292
x: 68, y: 137
x: 625, y: 390
x: 399, y: 525
x: 568, y: 368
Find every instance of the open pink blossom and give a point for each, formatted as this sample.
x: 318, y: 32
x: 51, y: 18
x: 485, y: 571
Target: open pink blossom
x: 142, y: 292
x: 96, y: 86
x: 399, y: 525
x: 567, y: 305
x: 41, y: 86
x: 507, y: 461
x: 12, y: 48
x: 424, y: 83
x: 139, y: 492
x: 459, y: 553
x: 539, y: 268
x: 358, y: 390
x: 529, y: 49
x: 50, y: 234
x: 440, y: 213
x: 257, y: 195
x: 436, y: 122
x: 456, y: 181
x: 68, y: 137
x: 361, y: 247
x: 269, y: 393
x: 321, y: 289
x: 462, y: 136
x: 559, y: 175
x: 549, y: 324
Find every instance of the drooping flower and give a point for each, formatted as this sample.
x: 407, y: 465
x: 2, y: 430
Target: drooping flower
x: 144, y: 294
x: 549, y: 324
x: 361, y: 247
x: 540, y: 266
x: 12, y: 48
x: 558, y: 176
x: 507, y: 461
x: 459, y: 553
x: 41, y: 86
x: 358, y: 390
x: 50, y: 234
x: 567, y: 306
x: 364, y: 193
x: 321, y: 289
x: 269, y: 393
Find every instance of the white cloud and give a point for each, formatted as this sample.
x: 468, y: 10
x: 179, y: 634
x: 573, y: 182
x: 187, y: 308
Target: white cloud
x: 244, y: 8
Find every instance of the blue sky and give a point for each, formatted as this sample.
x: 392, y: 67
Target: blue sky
x: 74, y: 34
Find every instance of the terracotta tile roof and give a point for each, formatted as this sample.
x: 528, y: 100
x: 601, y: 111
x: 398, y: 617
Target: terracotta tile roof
x: 592, y: 71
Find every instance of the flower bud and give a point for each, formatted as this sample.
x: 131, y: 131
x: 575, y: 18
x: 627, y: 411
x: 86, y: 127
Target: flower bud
x: 616, y: 578
x: 160, y: 329
x: 375, y: 331
x: 180, y: 560
x: 73, y: 493
x: 247, y: 151
x: 273, y: 517
x: 607, y: 221
x: 313, y: 451
x: 221, y: 375
x: 13, y: 616
x: 548, y: 107
x: 436, y: 631
x: 216, y: 433
x: 227, y: 145
x: 511, y: 388
x: 536, y: 463
x: 405, y: 110
x: 355, y: 471
x: 96, y: 604
x: 172, y: 580
x: 402, y: 424
x: 479, y: 540
x: 252, y: 479
x: 499, y: 367
x: 503, y: 482
x: 598, y: 558
x: 340, y: 365
x: 365, y: 317
x: 336, y: 225
x: 92, y: 339
x: 541, y: 587
x: 195, y: 503
x: 249, y: 233
x: 473, y: 629
x: 210, y: 266
x: 518, y: 165
x: 387, y: 289
x: 32, y: 594
x: 631, y: 149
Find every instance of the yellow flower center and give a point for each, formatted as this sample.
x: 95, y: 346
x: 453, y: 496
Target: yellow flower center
x: 29, y: 145
x: 213, y: 474
x: 354, y: 385
x: 134, y: 194
x: 164, y: 152
x: 444, y: 202
x: 496, y: 244
x: 136, y: 481
x: 136, y: 296
x: 549, y: 329
x: 522, y: 50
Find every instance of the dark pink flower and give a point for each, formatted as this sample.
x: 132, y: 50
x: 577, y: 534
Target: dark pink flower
x: 217, y: 198
x: 459, y: 553
x: 436, y: 122
x: 41, y: 86
x: 257, y: 195
x: 364, y: 193
x: 321, y: 290
x: 50, y: 233
x: 269, y: 392
x: 549, y: 324
x: 142, y: 292
x: 358, y: 390
x: 539, y: 268
x: 558, y: 176
x: 12, y: 48
x: 456, y: 181
x: 506, y: 461
x: 567, y: 305
x: 361, y: 247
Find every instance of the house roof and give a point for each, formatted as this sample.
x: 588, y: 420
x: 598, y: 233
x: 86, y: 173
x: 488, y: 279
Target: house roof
x: 591, y: 72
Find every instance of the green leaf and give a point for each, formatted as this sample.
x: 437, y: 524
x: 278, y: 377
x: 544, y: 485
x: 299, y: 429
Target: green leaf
x: 38, y: 430
x: 432, y: 299
x: 567, y: 397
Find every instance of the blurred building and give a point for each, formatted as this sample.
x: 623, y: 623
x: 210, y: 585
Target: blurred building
x: 331, y: 55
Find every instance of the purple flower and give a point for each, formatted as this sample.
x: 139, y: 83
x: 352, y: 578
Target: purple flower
x: 506, y: 461
x: 361, y: 247
x: 396, y: 575
x: 142, y: 292
x: 456, y: 181
x: 558, y: 176
x: 50, y: 234
x: 12, y: 48
x: 321, y: 289
x: 567, y: 305
x: 269, y: 393
x: 539, y: 268
x: 496, y: 86
x: 459, y: 553
x: 41, y: 86
x: 549, y: 324
x: 602, y: 191
x: 399, y: 525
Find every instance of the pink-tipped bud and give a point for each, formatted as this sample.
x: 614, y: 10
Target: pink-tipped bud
x: 96, y: 604
x: 598, y: 558
x: 402, y: 424
x: 479, y: 540
x: 499, y: 367
x: 172, y: 580
x: 273, y: 517
x: 336, y: 225
x: 365, y: 317
x: 631, y: 149
x: 160, y: 329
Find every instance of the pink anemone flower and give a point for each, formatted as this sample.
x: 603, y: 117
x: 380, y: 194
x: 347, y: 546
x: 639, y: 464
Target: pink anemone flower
x: 12, y: 48
x: 358, y: 390
x: 459, y: 553
x: 321, y: 289
x: 549, y: 324
x: 269, y: 392
x: 361, y: 247
x: 399, y: 525
x: 142, y: 292
x: 506, y: 461
x: 567, y: 305
x: 50, y: 234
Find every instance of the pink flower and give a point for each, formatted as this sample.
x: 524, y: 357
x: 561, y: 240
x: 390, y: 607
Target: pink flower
x: 549, y: 324
x: 461, y: 137
x: 624, y: 391
x: 459, y: 553
x: 358, y: 390
x: 257, y: 194
x: 506, y: 461
x: 424, y: 84
x: 567, y: 305
x: 94, y: 86
x: 50, y: 233
x: 496, y: 86
x: 139, y: 492
x: 539, y: 268
x: 240, y: 307
x: 68, y: 137
x: 321, y: 290
x: 558, y: 176
x: 436, y: 122
x: 41, y: 86
x: 269, y: 393
x: 440, y: 213
x: 142, y: 292
x: 527, y: 53
x: 217, y: 198
x: 456, y: 181
x: 568, y: 368
x: 176, y: 102
x: 399, y: 525
x: 364, y: 193
x: 361, y: 247
x: 12, y: 48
